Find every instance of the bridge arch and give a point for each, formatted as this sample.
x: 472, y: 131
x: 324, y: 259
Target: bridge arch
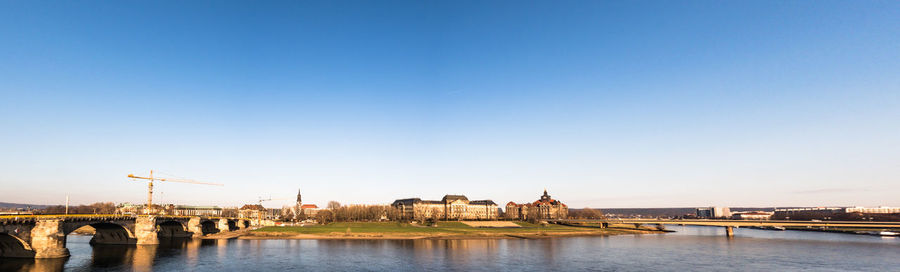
x: 14, y: 247
x: 209, y: 226
x: 232, y: 225
x: 105, y: 232
x: 172, y: 229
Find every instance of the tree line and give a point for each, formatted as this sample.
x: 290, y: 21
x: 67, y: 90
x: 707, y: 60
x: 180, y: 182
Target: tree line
x: 95, y: 208
x: 586, y: 213
x: 349, y: 213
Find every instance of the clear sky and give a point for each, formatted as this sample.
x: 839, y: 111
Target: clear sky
x: 604, y: 103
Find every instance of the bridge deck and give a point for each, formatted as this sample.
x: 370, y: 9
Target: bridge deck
x: 21, y: 217
x: 742, y: 223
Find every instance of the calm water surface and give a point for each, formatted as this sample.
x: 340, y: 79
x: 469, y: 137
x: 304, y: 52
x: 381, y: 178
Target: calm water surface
x: 689, y: 249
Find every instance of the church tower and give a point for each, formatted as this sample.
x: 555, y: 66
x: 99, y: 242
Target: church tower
x: 299, y: 199
x: 299, y: 204
x: 545, y: 196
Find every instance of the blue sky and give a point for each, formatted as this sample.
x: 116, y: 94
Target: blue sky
x: 637, y: 104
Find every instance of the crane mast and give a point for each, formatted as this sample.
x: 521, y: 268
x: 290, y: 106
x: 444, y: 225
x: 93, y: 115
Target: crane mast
x: 149, y: 209
x: 259, y: 214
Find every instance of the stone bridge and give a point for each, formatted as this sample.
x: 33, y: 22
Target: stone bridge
x: 731, y: 224
x: 44, y: 236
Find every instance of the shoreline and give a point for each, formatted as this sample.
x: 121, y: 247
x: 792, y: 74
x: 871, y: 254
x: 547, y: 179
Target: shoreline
x: 271, y: 235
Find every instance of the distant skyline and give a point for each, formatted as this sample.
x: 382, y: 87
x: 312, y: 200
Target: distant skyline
x: 605, y: 104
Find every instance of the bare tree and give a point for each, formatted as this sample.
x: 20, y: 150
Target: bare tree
x: 349, y: 213
x: 592, y: 214
x: 95, y: 208
x: 435, y: 215
x: 333, y: 205
x: 325, y: 217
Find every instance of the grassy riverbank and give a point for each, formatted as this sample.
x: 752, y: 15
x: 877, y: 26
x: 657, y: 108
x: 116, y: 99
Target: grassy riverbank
x: 443, y: 230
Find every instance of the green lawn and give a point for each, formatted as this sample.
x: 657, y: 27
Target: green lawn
x: 451, y: 228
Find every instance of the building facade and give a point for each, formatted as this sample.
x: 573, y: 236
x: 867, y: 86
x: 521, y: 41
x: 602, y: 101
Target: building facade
x: 256, y: 211
x: 451, y: 207
x: 882, y: 209
x: 309, y: 210
x: 544, y: 208
x: 185, y: 210
x: 754, y: 215
x: 714, y: 212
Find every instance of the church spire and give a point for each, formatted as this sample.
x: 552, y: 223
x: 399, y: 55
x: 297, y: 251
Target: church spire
x: 299, y: 199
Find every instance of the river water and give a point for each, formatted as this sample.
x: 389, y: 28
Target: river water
x: 688, y: 249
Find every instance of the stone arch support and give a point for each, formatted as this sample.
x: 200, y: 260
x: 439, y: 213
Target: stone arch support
x: 209, y: 227
x: 14, y: 247
x: 172, y: 229
x: 112, y: 234
x: 145, y: 230
x: 195, y: 227
x: 48, y: 239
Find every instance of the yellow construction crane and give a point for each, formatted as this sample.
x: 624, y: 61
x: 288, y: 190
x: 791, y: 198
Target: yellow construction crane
x: 150, y: 186
x: 259, y: 214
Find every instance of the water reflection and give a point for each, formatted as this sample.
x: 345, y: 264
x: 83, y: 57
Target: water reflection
x: 31, y: 265
x: 143, y: 257
x: 690, y: 249
x: 117, y: 257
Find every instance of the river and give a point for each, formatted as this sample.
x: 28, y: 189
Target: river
x: 688, y: 249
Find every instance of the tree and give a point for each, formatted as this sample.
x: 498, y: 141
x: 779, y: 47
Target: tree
x: 95, y: 208
x: 300, y: 216
x: 419, y: 217
x: 325, y: 217
x: 333, y: 205
x: 435, y: 216
x: 592, y: 214
x: 392, y: 213
x: 229, y: 212
x: 535, y: 215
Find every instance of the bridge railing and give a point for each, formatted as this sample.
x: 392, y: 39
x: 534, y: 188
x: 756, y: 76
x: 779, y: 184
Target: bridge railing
x: 739, y: 223
x: 676, y: 221
x: 88, y: 216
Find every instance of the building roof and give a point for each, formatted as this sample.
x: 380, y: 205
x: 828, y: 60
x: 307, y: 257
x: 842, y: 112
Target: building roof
x: 407, y: 201
x: 754, y: 213
x: 482, y: 202
x: 252, y: 207
x: 448, y: 198
x: 309, y: 206
x: 544, y: 200
x: 188, y: 207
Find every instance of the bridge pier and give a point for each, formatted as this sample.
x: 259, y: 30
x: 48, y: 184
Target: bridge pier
x: 223, y: 225
x: 145, y: 230
x: 242, y: 224
x: 729, y: 231
x: 195, y: 227
x: 48, y: 239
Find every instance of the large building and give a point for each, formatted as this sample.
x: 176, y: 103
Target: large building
x: 714, y: 212
x: 256, y: 211
x: 544, y: 208
x: 170, y: 209
x: 310, y: 210
x: 185, y: 210
x: 754, y: 215
x: 882, y: 209
x: 451, y: 207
